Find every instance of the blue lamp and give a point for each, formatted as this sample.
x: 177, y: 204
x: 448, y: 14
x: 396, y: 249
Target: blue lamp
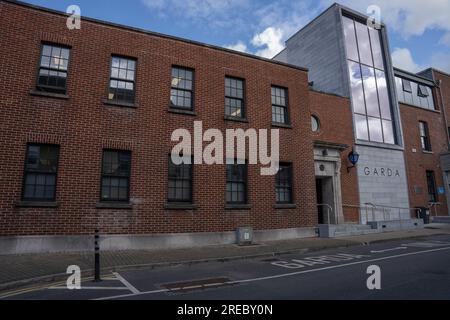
x: 353, y: 157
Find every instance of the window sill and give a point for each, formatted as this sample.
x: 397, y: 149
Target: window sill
x: 49, y: 94
x: 182, y: 111
x: 236, y: 119
x: 112, y: 205
x: 238, y: 207
x: 427, y: 152
x: 37, y: 204
x: 285, y: 206
x: 282, y: 125
x: 180, y: 206
x: 120, y: 104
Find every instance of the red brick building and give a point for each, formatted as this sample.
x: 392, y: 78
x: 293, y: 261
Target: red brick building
x: 83, y: 124
x: 86, y: 136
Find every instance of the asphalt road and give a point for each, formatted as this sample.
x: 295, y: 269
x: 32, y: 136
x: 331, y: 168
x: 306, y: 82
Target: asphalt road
x: 409, y: 269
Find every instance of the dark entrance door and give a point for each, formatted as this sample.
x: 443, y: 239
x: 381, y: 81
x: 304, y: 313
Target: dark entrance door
x: 320, y: 209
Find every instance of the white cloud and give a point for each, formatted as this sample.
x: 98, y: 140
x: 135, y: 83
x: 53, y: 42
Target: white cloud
x: 408, y: 17
x: 271, y: 41
x: 441, y: 61
x: 238, y: 46
x: 445, y: 40
x: 402, y: 58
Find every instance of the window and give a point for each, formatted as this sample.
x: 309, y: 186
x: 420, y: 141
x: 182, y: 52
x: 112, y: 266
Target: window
x: 116, y: 169
x: 424, y: 136
x: 407, y: 86
x: 279, y: 105
x: 41, y: 167
x: 431, y: 182
x: 422, y: 91
x: 234, y: 97
x: 181, y: 93
x: 53, y: 69
x: 368, y: 84
x: 283, y: 184
x: 236, y: 183
x: 315, y: 124
x: 122, y: 82
x: 180, y: 182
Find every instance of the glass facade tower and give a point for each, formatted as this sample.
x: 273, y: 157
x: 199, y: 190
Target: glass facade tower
x: 371, y: 104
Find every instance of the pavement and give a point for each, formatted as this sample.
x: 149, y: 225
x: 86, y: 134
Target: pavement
x: 18, y: 271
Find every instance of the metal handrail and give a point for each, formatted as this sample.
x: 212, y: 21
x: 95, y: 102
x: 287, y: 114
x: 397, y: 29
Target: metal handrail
x: 330, y: 208
x: 435, y: 205
x: 373, y: 207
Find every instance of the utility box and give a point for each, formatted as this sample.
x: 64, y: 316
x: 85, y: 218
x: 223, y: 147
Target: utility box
x: 244, y: 236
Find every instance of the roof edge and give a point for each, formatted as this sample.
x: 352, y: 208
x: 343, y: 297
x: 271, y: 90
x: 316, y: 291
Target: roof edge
x: 413, y: 76
x: 155, y: 34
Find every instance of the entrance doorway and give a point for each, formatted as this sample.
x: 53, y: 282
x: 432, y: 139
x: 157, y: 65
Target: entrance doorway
x: 327, y: 167
x: 325, y: 200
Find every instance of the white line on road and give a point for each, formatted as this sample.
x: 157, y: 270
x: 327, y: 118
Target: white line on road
x: 91, y: 288
x: 281, y: 275
x: 126, y: 283
x: 388, y: 250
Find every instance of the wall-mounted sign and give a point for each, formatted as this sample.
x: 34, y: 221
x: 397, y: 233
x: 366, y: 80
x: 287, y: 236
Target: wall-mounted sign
x: 382, y: 172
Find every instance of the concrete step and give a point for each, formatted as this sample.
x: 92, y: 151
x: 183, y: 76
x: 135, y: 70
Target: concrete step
x: 355, y: 233
x: 344, y: 230
x: 441, y: 219
x: 352, y: 227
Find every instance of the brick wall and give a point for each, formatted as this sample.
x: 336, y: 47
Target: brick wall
x: 335, y: 115
x: 418, y: 161
x: 83, y: 125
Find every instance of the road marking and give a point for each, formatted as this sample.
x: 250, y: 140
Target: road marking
x: 126, y: 283
x: 427, y: 244
x: 91, y: 288
x: 388, y: 250
x: 284, y: 275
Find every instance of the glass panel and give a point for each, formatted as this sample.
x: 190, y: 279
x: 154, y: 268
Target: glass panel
x: 356, y: 88
x: 430, y: 99
x: 47, y: 50
x: 376, y: 48
x: 315, y: 124
x: 406, y: 85
x: 383, y: 95
x: 365, y: 53
x: 375, y: 129
x: 388, y: 132
x: 361, y: 127
x: 399, y: 85
x: 350, y: 39
x: 370, y: 91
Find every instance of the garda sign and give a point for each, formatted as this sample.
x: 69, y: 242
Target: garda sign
x: 382, y: 172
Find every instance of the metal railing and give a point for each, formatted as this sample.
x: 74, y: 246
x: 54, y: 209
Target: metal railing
x: 329, y: 210
x: 434, y: 205
x: 388, y: 213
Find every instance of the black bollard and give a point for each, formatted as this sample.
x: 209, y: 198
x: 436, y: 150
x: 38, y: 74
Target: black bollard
x: 97, y: 257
